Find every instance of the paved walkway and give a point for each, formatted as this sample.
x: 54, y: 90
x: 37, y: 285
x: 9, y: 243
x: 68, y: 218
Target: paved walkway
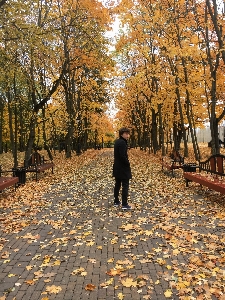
x: 171, y: 246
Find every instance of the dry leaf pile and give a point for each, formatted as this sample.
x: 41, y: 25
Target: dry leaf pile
x: 172, y: 242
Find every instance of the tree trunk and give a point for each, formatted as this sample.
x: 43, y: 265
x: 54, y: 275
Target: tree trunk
x: 46, y: 146
x: 175, y: 72
x: 154, y: 132
x: 10, y: 111
x: 31, y: 138
x: 161, y: 131
x: 215, y: 149
x: 219, y: 28
x: 1, y: 125
x: 68, y: 141
x: 182, y: 121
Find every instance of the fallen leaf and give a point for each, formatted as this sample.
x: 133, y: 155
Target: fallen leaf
x: 128, y: 282
x: 16, y: 284
x: 53, y: 289
x: 90, y: 287
x: 92, y: 260
x: 12, y: 275
x: 5, y: 254
x: 30, y: 282
x: 120, y: 296
x: 114, y: 272
x: 168, y: 293
x: 78, y: 271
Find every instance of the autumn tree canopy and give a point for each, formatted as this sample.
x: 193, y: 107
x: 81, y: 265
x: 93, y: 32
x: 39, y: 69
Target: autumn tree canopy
x: 171, y: 55
x: 58, y: 72
x: 53, y: 53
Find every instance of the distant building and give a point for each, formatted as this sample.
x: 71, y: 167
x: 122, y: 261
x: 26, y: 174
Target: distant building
x: 204, y: 134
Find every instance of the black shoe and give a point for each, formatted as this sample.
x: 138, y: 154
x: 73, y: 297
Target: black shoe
x: 126, y: 207
x: 116, y: 204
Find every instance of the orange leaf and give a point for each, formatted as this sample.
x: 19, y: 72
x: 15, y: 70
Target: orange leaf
x: 90, y: 287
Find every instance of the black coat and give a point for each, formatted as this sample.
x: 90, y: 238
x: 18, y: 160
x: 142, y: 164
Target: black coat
x: 121, y: 166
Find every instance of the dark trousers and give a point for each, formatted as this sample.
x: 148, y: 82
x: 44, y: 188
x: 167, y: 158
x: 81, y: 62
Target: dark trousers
x: 125, y: 187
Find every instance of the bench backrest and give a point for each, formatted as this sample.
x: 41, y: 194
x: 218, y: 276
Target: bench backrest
x: 175, y: 155
x: 35, y: 159
x: 214, y: 164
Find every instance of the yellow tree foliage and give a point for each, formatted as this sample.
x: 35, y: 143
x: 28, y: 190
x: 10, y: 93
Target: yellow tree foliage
x: 165, y: 59
x: 47, y: 48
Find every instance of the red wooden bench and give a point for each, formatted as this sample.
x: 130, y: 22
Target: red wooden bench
x: 7, y: 181
x: 214, y: 167
x: 37, y: 164
x: 174, y: 162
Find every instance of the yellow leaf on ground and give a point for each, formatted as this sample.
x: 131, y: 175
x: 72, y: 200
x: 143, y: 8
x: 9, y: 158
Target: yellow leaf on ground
x: 176, y: 252
x: 107, y: 283
x: 128, y: 282
x: 158, y: 250
x: 57, y: 263
x: 53, y: 289
x: 168, y: 293
x: 127, y: 227
x: 183, y: 284
x: 5, y: 254
x: 130, y: 267
x: 30, y: 282
x: 114, y: 241
x: 6, y: 261
x: 11, y: 275
x: 161, y: 261
x: 91, y: 243
x: 110, y: 281
x: 113, y: 272
x: 120, y: 296
x: 78, y: 271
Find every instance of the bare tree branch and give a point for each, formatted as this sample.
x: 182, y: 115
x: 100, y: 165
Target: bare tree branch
x: 221, y: 116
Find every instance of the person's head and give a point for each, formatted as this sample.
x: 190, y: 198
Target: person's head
x: 124, y: 132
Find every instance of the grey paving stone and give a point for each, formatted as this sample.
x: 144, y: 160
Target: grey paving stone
x: 58, y: 252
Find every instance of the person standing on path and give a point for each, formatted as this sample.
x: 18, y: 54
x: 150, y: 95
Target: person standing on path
x: 121, y: 168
